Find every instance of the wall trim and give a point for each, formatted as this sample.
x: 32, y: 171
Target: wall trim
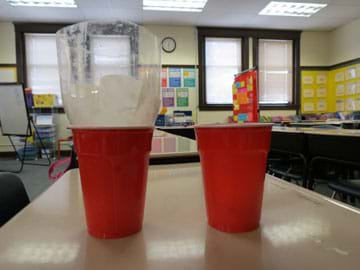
x: 332, y: 67
x: 180, y: 66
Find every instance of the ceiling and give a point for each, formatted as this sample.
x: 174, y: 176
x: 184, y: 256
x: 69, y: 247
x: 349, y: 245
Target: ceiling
x: 227, y: 13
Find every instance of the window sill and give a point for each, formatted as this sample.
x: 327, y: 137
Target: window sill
x: 263, y: 107
x: 216, y: 107
x: 269, y: 107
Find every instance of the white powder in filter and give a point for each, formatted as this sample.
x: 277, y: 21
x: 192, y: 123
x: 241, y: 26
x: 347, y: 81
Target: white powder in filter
x: 118, y: 100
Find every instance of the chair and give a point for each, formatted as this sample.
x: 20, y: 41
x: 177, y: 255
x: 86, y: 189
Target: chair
x: 346, y: 188
x: 13, y: 196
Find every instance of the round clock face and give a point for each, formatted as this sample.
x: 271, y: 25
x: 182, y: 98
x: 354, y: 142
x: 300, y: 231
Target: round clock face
x: 168, y: 44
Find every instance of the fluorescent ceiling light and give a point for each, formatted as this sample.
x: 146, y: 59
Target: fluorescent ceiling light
x: 43, y: 3
x: 175, y: 5
x: 275, y: 8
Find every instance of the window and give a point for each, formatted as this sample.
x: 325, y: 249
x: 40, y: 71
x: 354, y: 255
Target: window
x: 224, y: 52
x: 223, y: 60
x: 112, y: 54
x: 275, y: 71
x: 42, y: 71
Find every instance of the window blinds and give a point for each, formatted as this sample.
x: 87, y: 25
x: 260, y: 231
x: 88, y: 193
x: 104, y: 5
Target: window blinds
x: 223, y: 61
x: 275, y: 71
x: 41, y: 64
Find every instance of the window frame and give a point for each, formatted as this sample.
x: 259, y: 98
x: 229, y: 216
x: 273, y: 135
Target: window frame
x: 245, y: 34
x: 32, y: 28
x: 295, y: 104
x: 203, y: 33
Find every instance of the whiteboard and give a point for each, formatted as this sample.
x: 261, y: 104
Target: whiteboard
x: 13, y: 114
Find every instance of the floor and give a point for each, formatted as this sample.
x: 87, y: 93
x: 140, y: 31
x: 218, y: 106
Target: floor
x: 36, y: 180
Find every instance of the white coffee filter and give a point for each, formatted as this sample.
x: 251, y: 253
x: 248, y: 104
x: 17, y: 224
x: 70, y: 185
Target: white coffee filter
x: 109, y: 73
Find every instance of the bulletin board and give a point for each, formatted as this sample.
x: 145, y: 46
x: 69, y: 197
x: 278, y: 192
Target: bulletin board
x: 245, y: 102
x: 336, y: 90
x: 316, y: 94
x: 346, y: 88
x: 179, y: 89
x: 8, y: 73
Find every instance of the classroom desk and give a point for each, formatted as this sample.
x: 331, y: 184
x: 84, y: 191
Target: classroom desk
x: 331, y: 143
x: 318, y: 144
x: 299, y: 230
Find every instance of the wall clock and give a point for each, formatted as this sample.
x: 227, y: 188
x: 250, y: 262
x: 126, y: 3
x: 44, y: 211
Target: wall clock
x: 168, y: 44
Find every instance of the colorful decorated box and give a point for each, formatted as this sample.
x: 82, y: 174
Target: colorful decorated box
x: 245, y: 103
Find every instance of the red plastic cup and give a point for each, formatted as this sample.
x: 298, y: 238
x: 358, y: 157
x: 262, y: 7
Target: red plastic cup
x: 113, y: 165
x: 233, y: 161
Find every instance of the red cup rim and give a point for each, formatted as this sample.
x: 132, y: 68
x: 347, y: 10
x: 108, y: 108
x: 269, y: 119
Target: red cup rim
x: 243, y: 125
x: 109, y: 127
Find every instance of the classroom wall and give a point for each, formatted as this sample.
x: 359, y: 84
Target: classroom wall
x: 344, y: 43
x: 313, y: 52
x: 314, y: 49
x: 7, y: 43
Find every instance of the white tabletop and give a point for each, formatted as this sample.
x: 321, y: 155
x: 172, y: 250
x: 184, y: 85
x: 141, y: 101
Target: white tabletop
x: 299, y: 230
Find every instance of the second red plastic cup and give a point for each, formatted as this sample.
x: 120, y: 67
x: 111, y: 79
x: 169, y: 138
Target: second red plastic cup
x: 113, y: 165
x: 233, y: 160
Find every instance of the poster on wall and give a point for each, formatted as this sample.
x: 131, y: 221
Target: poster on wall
x: 340, y: 90
x: 309, y: 107
x: 350, y: 74
x: 182, y: 97
x: 350, y: 104
x: 308, y: 93
x: 8, y: 74
x: 321, y: 79
x: 339, y: 77
x: 174, y: 77
x: 321, y: 105
x: 321, y: 92
x: 164, y: 77
x: 340, y: 105
x: 168, y: 97
x: 189, y: 77
x: 351, y: 89
x: 308, y: 80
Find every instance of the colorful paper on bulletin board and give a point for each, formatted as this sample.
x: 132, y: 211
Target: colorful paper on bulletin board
x: 307, y: 79
x: 321, y: 105
x: 164, y: 77
x: 168, y: 97
x: 308, y: 93
x: 340, y: 105
x: 8, y: 74
x: 351, y: 89
x: 309, y: 107
x: 321, y: 79
x: 245, y: 106
x: 189, y: 77
x: 182, y: 97
x: 44, y: 100
x: 321, y: 92
x: 174, y: 77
